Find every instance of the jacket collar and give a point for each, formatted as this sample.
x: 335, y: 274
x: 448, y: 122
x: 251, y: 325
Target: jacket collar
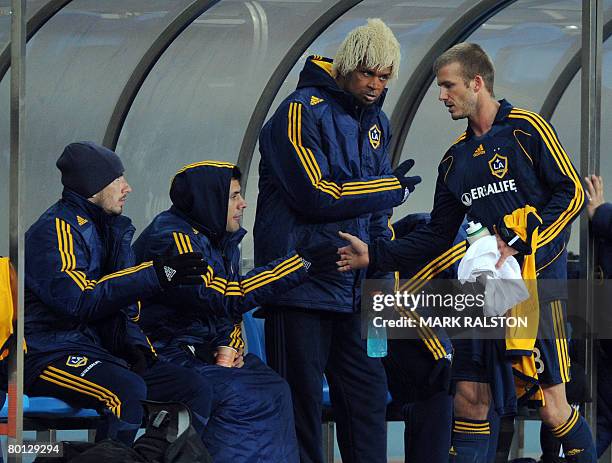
x: 93, y: 212
x: 502, y: 112
x: 232, y: 239
x: 221, y: 241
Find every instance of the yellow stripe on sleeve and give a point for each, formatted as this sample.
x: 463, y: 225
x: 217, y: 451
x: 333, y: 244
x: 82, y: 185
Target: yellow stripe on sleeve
x: 65, y: 243
x: 236, y: 338
x: 313, y: 171
x: 236, y: 288
x: 433, y: 268
x: 563, y: 162
x: 126, y: 271
x: 66, y: 250
x: 178, y: 242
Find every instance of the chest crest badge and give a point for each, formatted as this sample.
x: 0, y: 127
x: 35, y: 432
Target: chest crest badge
x: 499, y: 165
x: 375, y: 136
x: 76, y: 361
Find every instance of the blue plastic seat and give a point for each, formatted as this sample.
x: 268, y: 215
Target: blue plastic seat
x: 49, y: 407
x: 254, y: 333
x: 49, y: 413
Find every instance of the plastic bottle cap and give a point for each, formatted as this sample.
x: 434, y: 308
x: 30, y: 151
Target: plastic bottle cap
x: 473, y: 227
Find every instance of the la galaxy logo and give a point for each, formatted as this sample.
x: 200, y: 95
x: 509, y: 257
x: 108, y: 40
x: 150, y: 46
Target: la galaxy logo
x: 76, y: 361
x: 498, y: 165
x: 375, y: 136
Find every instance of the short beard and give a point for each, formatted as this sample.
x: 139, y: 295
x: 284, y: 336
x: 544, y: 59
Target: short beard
x: 113, y: 213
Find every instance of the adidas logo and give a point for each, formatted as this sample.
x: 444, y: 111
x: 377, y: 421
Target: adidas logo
x: 573, y: 452
x: 315, y: 100
x: 170, y: 272
x: 480, y: 150
x: 81, y: 220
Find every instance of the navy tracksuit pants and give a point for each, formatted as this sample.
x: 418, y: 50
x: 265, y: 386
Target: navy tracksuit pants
x: 427, y: 406
x: 110, y: 387
x: 302, y: 345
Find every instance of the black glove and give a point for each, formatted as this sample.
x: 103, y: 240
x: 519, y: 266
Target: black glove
x: 319, y: 258
x: 408, y: 183
x: 515, y: 241
x: 183, y: 269
x: 440, y: 376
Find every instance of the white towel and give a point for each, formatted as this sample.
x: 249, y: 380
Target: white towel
x: 504, y: 287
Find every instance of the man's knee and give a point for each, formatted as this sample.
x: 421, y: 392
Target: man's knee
x: 557, y: 410
x: 133, y: 386
x: 472, y: 400
x: 131, y: 393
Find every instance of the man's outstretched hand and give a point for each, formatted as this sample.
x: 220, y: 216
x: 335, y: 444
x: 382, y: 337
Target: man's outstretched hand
x: 354, y: 256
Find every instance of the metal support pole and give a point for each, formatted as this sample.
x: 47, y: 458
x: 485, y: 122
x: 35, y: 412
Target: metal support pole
x: 592, y: 33
x: 16, y: 232
x: 328, y: 441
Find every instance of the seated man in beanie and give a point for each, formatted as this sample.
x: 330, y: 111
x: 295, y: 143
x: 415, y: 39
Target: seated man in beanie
x: 82, y: 294
x: 199, y: 326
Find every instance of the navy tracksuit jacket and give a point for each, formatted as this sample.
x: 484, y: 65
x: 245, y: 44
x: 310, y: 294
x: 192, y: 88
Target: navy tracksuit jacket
x: 82, y: 291
x: 252, y: 418
x: 518, y: 162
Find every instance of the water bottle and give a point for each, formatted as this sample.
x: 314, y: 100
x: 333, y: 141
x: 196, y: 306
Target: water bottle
x: 475, y: 231
x: 377, y: 341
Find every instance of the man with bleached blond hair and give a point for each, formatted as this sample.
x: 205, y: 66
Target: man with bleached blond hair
x: 324, y: 168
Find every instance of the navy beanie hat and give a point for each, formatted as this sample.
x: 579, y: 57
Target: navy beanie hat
x: 87, y: 168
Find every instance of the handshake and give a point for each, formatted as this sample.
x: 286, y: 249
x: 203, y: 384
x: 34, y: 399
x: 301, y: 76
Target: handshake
x: 325, y: 257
